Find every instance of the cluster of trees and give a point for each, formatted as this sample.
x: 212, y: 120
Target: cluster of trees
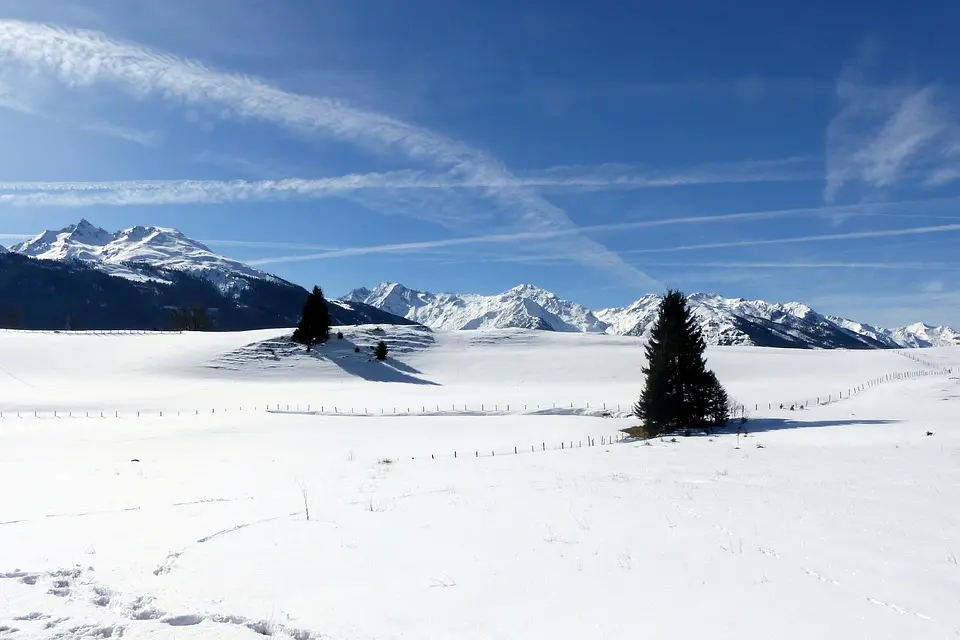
x: 680, y: 393
x: 195, y: 317
x: 314, y: 325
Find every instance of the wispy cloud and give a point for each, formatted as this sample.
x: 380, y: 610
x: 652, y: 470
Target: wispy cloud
x: 162, y: 192
x: 263, y: 244
x: 626, y: 176
x: 885, y: 136
x: 136, y: 136
x: 81, y: 57
x: 512, y: 238
x: 894, y: 266
x: 858, y: 235
x: 14, y: 101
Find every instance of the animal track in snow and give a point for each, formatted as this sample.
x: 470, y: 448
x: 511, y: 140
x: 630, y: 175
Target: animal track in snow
x: 811, y: 572
x: 899, y: 609
x: 34, y: 615
x: 187, y: 620
x: 91, y: 631
x: 140, y: 609
x: 101, y: 596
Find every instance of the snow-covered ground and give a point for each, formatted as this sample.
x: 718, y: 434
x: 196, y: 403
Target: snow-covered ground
x: 837, y: 521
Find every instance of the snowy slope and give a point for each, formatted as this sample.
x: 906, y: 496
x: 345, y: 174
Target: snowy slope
x: 841, y: 524
x: 725, y: 321
x: 119, y: 253
x: 199, y: 371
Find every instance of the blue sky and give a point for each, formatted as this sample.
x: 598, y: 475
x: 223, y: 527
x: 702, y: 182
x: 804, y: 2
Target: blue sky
x: 808, y: 151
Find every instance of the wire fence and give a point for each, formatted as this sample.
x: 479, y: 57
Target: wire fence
x: 855, y: 390
x: 602, y: 409
x: 541, y: 447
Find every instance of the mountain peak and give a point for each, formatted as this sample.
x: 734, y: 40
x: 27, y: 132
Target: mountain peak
x: 119, y: 253
x: 530, y: 290
x: 88, y: 233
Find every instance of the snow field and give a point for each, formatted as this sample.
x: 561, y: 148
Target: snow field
x: 440, y: 371
x: 843, y: 523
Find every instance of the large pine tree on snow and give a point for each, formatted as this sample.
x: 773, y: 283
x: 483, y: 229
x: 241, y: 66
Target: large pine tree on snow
x: 679, y: 391
x: 314, y: 326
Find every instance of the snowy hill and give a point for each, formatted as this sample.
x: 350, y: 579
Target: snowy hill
x: 725, y: 321
x: 121, y: 253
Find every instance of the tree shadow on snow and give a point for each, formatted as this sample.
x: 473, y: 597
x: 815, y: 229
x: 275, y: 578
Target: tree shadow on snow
x: 761, y: 425
x: 364, y: 365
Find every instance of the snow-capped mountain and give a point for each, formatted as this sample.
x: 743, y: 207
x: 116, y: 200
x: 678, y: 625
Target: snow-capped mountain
x: 924, y: 335
x: 120, y: 253
x: 725, y: 321
x: 523, y: 306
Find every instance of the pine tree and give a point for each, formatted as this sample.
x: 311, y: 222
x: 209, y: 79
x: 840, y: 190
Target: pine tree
x: 314, y: 326
x: 676, y: 393
x: 718, y: 401
x: 381, y: 351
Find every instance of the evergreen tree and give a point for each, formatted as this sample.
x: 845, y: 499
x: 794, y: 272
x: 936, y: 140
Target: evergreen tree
x: 314, y: 326
x: 381, y: 351
x: 719, y: 404
x: 676, y: 393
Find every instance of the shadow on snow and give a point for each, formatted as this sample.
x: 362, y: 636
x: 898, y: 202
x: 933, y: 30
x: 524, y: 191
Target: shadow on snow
x: 364, y: 365
x: 761, y: 425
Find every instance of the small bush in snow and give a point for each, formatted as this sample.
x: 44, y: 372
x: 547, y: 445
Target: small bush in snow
x: 339, y: 335
x: 381, y: 351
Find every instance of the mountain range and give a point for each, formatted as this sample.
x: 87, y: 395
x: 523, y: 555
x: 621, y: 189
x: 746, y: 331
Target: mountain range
x: 136, y: 278
x: 85, y: 277
x: 725, y: 321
